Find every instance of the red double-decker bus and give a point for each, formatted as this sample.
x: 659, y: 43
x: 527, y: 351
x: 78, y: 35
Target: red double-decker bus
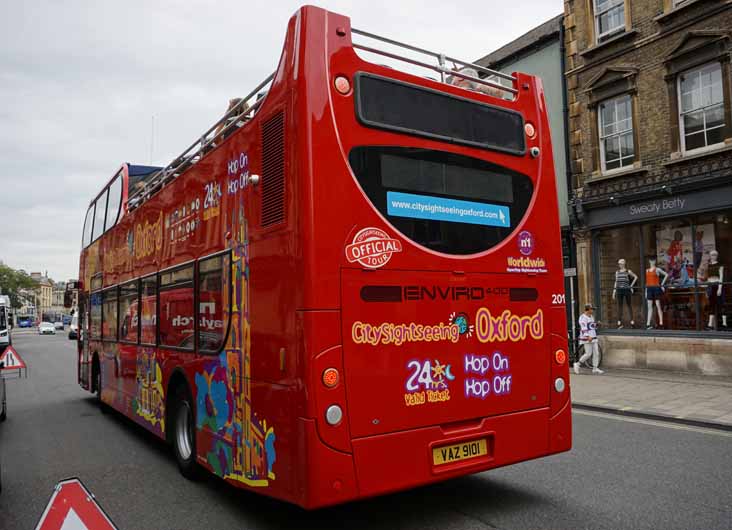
x: 351, y: 285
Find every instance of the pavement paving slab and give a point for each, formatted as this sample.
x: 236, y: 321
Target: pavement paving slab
x: 704, y: 399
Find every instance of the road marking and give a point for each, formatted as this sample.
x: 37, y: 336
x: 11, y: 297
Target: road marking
x: 656, y: 423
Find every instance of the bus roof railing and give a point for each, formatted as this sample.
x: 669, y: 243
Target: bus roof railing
x: 441, y: 60
x: 234, y: 118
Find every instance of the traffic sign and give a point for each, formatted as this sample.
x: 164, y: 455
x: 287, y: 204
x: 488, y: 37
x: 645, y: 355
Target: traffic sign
x: 73, y: 507
x: 11, y: 360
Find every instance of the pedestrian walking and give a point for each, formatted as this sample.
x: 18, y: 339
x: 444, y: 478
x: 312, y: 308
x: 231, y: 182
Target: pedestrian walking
x: 588, y: 339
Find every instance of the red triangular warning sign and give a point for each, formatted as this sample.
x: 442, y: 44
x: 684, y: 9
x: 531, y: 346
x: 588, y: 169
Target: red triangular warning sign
x: 11, y: 359
x: 73, y: 506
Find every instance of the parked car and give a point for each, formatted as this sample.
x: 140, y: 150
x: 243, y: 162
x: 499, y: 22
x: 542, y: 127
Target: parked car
x: 74, y: 328
x: 59, y: 325
x: 46, y: 328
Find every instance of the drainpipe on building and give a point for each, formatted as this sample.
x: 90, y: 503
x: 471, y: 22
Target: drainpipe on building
x: 572, y: 331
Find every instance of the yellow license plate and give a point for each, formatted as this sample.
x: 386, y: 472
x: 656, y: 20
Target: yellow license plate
x: 456, y: 452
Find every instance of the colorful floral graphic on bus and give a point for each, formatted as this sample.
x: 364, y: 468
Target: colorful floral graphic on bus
x: 149, y: 401
x: 244, y: 444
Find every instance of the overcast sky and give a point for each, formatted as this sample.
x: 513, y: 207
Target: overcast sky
x: 80, y: 82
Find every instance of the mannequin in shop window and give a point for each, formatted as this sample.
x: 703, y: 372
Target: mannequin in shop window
x: 655, y: 282
x: 623, y: 289
x: 715, y: 290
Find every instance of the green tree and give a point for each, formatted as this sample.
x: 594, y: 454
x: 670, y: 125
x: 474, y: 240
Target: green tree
x: 12, y: 282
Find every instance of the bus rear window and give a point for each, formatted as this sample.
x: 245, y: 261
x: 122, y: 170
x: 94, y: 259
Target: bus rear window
x: 443, y: 201
x: 390, y: 104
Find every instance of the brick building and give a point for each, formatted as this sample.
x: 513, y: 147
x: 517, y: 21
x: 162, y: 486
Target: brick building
x: 650, y: 136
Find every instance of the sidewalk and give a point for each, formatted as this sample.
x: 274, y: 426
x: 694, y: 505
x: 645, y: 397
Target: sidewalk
x: 680, y: 397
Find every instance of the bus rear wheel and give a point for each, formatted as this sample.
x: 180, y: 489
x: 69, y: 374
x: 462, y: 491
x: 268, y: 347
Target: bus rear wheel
x: 183, y: 434
x: 97, y: 385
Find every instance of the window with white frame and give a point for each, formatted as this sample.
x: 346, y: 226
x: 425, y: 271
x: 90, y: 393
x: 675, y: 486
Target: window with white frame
x: 677, y: 3
x: 609, y: 18
x: 701, y: 107
x: 615, y: 117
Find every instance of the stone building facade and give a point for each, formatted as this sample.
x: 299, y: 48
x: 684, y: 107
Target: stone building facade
x: 650, y: 133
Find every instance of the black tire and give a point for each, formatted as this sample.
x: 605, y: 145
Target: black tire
x: 97, y: 386
x: 183, y: 433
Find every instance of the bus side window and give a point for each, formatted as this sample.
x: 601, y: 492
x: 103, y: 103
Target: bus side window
x: 148, y: 310
x: 114, y: 202
x: 128, y: 315
x: 88, y: 226
x: 109, y: 315
x: 213, y: 299
x: 95, y: 316
x: 101, y: 208
x: 176, y: 327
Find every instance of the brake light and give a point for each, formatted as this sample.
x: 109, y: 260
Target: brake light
x: 330, y: 377
x: 560, y: 356
x: 530, y: 130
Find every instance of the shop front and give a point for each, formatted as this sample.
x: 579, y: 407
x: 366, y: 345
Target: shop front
x: 660, y: 272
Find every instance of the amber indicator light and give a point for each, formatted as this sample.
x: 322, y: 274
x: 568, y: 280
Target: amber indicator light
x: 330, y: 377
x: 560, y: 356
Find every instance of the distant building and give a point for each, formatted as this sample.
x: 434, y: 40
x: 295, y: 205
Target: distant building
x: 44, y: 294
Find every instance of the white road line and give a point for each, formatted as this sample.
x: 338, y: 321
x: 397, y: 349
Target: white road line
x: 656, y: 423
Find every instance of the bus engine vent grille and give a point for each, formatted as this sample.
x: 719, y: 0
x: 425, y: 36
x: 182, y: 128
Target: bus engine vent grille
x: 273, y: 170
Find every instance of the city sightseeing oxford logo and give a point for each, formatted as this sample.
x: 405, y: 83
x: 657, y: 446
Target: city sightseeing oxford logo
x: 372, y: 248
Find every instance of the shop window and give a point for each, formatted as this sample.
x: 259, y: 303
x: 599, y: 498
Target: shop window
x: 609, y: 18
x: 176, y: 325
x: 701, y: 107
x: 621, y: 294
x: 95, y: 316
x: 715, y: 297
x: 213, y: 302
x: 617, y: 148
x: 109, y: 314
x: 148, y: 310
x: 670, y: 291
x: 128, y: 312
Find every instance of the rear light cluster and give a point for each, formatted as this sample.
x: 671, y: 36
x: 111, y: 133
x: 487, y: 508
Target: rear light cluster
x: 334, y: 413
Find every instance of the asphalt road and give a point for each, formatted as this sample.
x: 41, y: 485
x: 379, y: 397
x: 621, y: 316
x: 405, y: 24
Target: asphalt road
x: 622, y: 473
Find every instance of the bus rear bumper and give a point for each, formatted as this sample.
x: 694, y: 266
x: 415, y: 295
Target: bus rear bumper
x: 397, y: 461
x: 402, y: 460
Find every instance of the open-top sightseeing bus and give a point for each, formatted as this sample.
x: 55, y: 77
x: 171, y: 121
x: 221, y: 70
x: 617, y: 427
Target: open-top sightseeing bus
x: 349, y: 286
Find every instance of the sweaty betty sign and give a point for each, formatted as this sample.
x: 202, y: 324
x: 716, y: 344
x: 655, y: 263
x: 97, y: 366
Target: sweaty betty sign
x: 372, y: 248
